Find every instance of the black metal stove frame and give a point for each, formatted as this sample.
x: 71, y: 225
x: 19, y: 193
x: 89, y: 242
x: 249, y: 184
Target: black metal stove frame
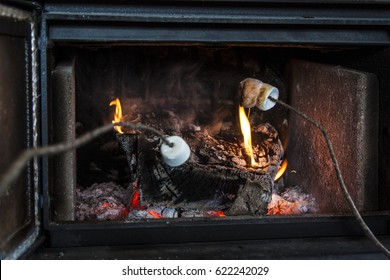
x: 211, y: 23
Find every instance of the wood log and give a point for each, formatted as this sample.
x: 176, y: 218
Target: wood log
x: 217, y: 175
x: 253, y: 197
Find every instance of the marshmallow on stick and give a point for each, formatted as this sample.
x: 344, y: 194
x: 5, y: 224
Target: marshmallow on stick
x: 177, y: 154
x: 255, y: 93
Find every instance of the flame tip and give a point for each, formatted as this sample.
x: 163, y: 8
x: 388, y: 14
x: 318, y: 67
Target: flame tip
x: 281, y: 170
x: 246, y: 132
x: 118, y: 114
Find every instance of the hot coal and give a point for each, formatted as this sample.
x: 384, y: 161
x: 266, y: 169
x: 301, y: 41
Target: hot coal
x: 292, y: 201
x: 168, y: 212
x: 104, y: 201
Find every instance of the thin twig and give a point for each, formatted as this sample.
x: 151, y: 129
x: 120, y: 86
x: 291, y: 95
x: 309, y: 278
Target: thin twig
x: 18, y: 165
x: 344, y: 189
x: 147, y: 128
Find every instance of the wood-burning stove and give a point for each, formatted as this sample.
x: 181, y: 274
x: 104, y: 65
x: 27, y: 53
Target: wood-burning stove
x: 330, y: 61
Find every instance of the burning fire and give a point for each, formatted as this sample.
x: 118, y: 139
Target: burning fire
x: 118, y: 114
x: 246, y: 132
x: 281, y: 170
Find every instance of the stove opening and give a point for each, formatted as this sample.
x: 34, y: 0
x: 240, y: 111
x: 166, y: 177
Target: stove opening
x: 195, y: 92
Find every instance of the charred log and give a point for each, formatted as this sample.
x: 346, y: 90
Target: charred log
x: 217, y: 176
x: 253, y: 197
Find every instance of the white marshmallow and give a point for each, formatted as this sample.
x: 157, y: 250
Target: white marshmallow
x: 266, y: 90
x: 176, y: 155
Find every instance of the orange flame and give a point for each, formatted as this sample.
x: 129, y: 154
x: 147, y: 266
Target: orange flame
x: 246, y: 132
x: 281, y: 170
x: 118, y: 114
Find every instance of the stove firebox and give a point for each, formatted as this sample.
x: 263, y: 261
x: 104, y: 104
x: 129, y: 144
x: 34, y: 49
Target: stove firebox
x: 193, y: 92
x: 191, y: 89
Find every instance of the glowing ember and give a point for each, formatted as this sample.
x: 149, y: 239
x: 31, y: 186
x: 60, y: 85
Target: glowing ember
x: 135, y: 202
x: 154, y: 214
x: 213, y: 213
x: 221, y: 214
x: 125, y: 213
x: 292, y: 201
x: 280, y: 206
x: 281, y: 170
x: 246, y: 132
x: 105, y: 204
x: 118, y: 114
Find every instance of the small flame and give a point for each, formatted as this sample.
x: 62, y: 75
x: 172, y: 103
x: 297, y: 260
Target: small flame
x: 154, y: 214
x: 246, y: 132
x: 118, y: 114
x: 281, y: 170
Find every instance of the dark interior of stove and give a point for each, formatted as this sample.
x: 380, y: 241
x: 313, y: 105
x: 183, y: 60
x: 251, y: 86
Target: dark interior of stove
x: 192, y: 91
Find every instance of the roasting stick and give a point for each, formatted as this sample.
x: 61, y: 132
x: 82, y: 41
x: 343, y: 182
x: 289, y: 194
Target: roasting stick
x: 255, y: 93
x: 344, y: 189
x: 18, y: 165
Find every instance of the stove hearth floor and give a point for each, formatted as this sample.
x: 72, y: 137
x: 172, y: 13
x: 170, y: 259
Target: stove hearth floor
x: 339, y: 248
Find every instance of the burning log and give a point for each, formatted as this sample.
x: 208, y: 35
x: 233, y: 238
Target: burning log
x: 217, y: 171
x: 220, y: 175
x: 253, y: 197
x: 128, y: 143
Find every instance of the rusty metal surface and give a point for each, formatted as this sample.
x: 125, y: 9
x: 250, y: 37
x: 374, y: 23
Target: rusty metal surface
x: 345, y: 103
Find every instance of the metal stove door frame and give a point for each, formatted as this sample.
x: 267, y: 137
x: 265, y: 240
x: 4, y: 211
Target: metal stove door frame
x: 18, y: 28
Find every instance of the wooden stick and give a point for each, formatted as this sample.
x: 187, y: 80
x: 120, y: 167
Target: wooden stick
x: 18, y: 165
x: 344, y: 189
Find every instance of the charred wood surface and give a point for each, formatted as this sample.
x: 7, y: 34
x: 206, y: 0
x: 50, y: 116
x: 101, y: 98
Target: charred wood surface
x: 216, y: 176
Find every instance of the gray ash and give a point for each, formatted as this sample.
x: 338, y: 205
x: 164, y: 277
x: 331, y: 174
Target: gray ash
x: 103, y: 201
x: 292, y: 201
